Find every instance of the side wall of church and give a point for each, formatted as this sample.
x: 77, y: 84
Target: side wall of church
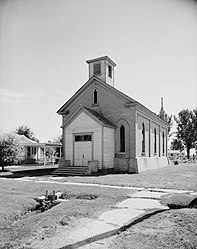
x: 153, y: 154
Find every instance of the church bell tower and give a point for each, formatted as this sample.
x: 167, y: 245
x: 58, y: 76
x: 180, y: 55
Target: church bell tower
x: 103, y: 68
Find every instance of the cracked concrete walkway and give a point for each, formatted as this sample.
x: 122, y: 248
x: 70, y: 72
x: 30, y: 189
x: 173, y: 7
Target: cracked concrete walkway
x: 141, y: 205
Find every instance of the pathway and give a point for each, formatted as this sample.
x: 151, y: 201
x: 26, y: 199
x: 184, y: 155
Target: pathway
x: 139, y: 206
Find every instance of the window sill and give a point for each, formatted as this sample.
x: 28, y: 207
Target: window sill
x: 143, y: 154
x: 95, y: 104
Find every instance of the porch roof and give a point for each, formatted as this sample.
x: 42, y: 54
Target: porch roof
x: 42, y: 144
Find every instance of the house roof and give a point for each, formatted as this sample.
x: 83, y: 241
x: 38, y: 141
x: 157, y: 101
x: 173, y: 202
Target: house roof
x: 93, y: 114
x: 131, y: 101
x: 86, y: 85
x: 23, y: 140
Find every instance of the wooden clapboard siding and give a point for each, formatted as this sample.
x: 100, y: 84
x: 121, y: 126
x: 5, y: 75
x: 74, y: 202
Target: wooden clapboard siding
x: 80, y: 125
x: 108, y: 151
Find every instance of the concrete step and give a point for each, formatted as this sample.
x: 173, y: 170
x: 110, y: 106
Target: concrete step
x: 72, y: 170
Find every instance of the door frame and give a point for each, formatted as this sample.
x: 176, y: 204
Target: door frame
x: 83, y: 134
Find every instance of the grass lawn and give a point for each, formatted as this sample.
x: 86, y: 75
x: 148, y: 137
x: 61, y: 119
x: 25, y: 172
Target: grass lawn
x: 173, y: 229
x: 19, y: 227
x: 182, y: 176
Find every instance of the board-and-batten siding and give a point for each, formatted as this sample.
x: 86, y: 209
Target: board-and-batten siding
x: 82, y: 124
x: 108, y: 148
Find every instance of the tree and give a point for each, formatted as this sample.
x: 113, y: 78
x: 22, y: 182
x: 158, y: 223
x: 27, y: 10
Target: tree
x: 10, y: 151
x: 57, y: 139
x: 176, y: 144
x: 168, y: 119
x: 187, y: 128
x: 26, y: 131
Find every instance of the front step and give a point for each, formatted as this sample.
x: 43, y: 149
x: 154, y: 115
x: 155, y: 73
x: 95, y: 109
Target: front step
x: 71, y: 171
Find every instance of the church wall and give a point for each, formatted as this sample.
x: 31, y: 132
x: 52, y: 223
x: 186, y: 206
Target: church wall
x: 140, y: 121
x: 108, y: 150
x: 83, y: 124
x: 153, y: 127
x: 112, y: 107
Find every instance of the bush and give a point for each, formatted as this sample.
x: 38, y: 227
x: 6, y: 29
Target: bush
x: 10, y: 151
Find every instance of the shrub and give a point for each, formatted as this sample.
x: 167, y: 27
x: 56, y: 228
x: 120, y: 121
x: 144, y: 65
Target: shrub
x: 10, y: 151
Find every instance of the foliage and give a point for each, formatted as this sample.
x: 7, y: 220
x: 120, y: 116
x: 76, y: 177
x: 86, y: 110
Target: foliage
x: 10, y: 151
x: 26, y: 131
x: 168, y: 119
x: 56, y: 140
x: 187, y: 128
x: 177, y: 144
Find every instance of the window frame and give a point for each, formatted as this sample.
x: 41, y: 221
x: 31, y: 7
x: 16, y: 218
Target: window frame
x: 82, y: 138
x: 155, y: 141
x: 143, y: 139
x: 95, y: 97
x: 110, y: 71
x: 163, y: 143
x: 97, y: 71
x: 122, y: 139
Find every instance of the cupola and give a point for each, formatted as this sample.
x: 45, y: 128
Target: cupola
x: 103, y: 68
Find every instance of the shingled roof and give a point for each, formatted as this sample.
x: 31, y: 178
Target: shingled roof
x: 100, y: 117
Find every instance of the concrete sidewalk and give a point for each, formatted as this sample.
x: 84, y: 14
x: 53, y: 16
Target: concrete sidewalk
x: 139, y: 206
x: 124, y: 214
x: 27, y: 170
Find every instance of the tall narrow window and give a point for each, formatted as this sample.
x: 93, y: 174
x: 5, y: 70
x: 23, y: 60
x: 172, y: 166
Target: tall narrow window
x: 97, y: 69
x: 143, y: 138
x: 95, y: 96
x: 122, y: 138
x: 163, y: 140
x: 155, y: 141
x: 110, y: 71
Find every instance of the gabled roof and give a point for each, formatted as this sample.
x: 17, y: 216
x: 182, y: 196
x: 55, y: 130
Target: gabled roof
x: 131, y: 102
x: 21, y: 139
x: 98, y: 117
x: 87, y: 84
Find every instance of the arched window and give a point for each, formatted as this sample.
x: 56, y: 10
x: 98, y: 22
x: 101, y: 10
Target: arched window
x: 122, y: 138
x: 143, y: 138
x: 155, y: 141
x: 163, y: 140
x: 95, y: 96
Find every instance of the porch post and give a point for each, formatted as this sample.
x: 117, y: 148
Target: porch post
x: 60, y: 152
x: 44, y: 154
x: 37, y: 153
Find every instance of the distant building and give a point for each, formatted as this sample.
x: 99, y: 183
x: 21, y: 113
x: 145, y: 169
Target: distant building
x: 176, y: 155
x: 102, y: 125
x: 39, y: 153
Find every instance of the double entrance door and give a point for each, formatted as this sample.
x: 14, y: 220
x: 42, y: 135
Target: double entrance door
x: 82, y: 149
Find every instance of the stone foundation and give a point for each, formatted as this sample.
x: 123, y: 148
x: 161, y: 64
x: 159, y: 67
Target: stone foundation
x: 64, y: 163
x: 148, y: 163
x: 93, y: 167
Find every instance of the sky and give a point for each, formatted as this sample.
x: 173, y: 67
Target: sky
x: 44, y: 45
